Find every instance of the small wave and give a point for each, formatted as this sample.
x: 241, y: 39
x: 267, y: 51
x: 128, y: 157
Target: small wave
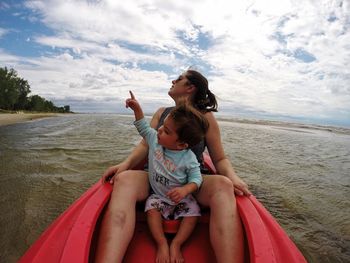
x: 293, y: 130
x: 61, y: 131
x: 298, y: 127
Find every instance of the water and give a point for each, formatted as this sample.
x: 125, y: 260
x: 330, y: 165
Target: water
x: 300, y: 173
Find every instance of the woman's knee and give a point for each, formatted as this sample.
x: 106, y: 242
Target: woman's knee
x: 221, y: 184
x: 132, y: 183
x: 124, y: 178
x: 214, y: 186
x: 127, y: 179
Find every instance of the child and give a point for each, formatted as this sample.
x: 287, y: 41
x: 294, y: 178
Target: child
x: 174, y: 173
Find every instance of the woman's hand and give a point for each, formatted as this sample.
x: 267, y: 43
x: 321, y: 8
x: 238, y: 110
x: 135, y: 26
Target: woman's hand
x: 240, y: 187
x: 111, y: 172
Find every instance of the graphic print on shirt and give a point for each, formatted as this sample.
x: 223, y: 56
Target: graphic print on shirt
x: 168, y: 164
x: 163, y: 168
x: 160, y: 179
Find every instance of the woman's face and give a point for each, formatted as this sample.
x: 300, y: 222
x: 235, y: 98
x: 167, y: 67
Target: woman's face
x: 180, y: 87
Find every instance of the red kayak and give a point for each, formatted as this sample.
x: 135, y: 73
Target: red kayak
x: 72, y: 236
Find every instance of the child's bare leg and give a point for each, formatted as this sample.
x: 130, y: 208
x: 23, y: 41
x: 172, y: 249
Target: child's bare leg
x: 154, y: 219
x: 186, y: 227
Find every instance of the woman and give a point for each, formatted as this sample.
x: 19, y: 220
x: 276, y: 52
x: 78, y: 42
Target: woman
x: 216, y: 192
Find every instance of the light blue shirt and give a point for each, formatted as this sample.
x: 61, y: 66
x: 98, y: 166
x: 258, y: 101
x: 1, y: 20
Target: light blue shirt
x: 168, y: 168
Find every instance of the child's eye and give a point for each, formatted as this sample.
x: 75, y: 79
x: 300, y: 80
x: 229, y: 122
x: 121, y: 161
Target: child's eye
x: 166, y: 131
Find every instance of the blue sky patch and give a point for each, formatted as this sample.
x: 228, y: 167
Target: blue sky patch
x: 304, y: 56
x: 198, y: 39
x: 22, y: 29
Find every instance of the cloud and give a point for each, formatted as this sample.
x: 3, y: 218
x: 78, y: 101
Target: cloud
x: 4, y: 6
x: 276, y: 57
x: 291, y: 74
x: 8, y: 59
x: 108, y: 21
x: 3, y: 32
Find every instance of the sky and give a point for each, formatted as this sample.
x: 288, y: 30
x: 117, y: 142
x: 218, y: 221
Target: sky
x: 275, y: 59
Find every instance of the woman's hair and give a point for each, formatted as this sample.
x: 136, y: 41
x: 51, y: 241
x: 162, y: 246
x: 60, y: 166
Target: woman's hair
x: 191, y: 125
x: 203, y: 99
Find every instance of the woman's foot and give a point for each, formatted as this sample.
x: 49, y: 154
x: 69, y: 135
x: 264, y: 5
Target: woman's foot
x: 163, y: 255
x: 175, y: 253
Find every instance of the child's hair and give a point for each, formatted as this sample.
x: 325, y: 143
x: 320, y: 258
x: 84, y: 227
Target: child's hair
x: 191, y: 124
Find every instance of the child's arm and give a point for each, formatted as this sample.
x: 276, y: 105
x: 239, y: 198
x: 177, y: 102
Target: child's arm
x: 135, y: 106
x: 141, y: 124
x: 194, y: 180
x: 178, y: 193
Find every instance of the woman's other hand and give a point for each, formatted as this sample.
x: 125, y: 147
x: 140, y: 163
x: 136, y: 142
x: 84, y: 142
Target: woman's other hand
x: 240, y: 187
x: 111, y: 172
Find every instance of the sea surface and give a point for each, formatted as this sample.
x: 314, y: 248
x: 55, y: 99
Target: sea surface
x: 301, y: 173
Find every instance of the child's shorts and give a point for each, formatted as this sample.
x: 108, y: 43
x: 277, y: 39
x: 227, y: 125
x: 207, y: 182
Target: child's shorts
x: 186, y: 207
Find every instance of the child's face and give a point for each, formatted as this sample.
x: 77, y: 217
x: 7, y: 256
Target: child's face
x: 167, y: 136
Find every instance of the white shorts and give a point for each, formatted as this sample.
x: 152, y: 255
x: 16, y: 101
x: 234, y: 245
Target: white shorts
x: 186, y: 207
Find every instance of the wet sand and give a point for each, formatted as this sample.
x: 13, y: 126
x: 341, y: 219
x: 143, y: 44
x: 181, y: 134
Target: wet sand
x: 12, y: 118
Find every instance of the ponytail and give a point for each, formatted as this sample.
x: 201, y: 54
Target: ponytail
x: 212, y: 103
x: 203, y: 99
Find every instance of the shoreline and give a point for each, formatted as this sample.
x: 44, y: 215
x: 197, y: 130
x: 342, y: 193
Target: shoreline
x: 13, y: 118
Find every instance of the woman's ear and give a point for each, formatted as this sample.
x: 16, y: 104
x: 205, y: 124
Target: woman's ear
x: 191, y: 88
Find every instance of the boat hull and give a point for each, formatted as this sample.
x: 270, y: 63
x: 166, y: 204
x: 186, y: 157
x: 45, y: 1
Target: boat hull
x: 72, y: 237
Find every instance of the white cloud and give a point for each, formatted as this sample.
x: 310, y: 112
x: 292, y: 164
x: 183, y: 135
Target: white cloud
x: 89, y: 77
x: 248, y: 49
x: 267, y: 79
x: 8, y: 60
x: 108, y: 21
x: 3, y: 31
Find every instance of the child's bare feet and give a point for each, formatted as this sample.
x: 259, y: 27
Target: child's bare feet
x: 175, y: 253
x: 163, y: 253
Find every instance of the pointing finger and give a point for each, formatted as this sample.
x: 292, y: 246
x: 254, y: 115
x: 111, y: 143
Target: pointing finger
x: 131, y: 95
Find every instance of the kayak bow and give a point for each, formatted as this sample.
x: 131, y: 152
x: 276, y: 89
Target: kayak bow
x: 73, y: 235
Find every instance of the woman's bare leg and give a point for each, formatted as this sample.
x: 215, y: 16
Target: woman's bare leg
x: 185, y: 230
x: 155, y: 223
x: 118, y: 223
x: 226, y: 232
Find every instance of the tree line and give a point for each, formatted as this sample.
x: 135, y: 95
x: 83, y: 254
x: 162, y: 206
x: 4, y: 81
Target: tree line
x: 14, y: 92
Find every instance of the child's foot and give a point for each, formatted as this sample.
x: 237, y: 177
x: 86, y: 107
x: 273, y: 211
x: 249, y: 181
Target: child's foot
x: 163, y: 254
x: 175, y: 253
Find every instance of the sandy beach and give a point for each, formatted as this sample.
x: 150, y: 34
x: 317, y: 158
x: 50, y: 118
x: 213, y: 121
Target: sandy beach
x: 12, y: 118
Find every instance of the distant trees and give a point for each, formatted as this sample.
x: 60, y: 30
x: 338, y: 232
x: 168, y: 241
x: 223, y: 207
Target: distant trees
x: 14, y: 95
x: 13, y: 90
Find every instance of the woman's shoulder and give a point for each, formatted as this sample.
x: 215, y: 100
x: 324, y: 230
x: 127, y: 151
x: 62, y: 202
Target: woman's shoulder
x: 210, y: 116
x: 213, y: 125
x: 162, y: 112
x: 156, y: 117
x: 159, y: 112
